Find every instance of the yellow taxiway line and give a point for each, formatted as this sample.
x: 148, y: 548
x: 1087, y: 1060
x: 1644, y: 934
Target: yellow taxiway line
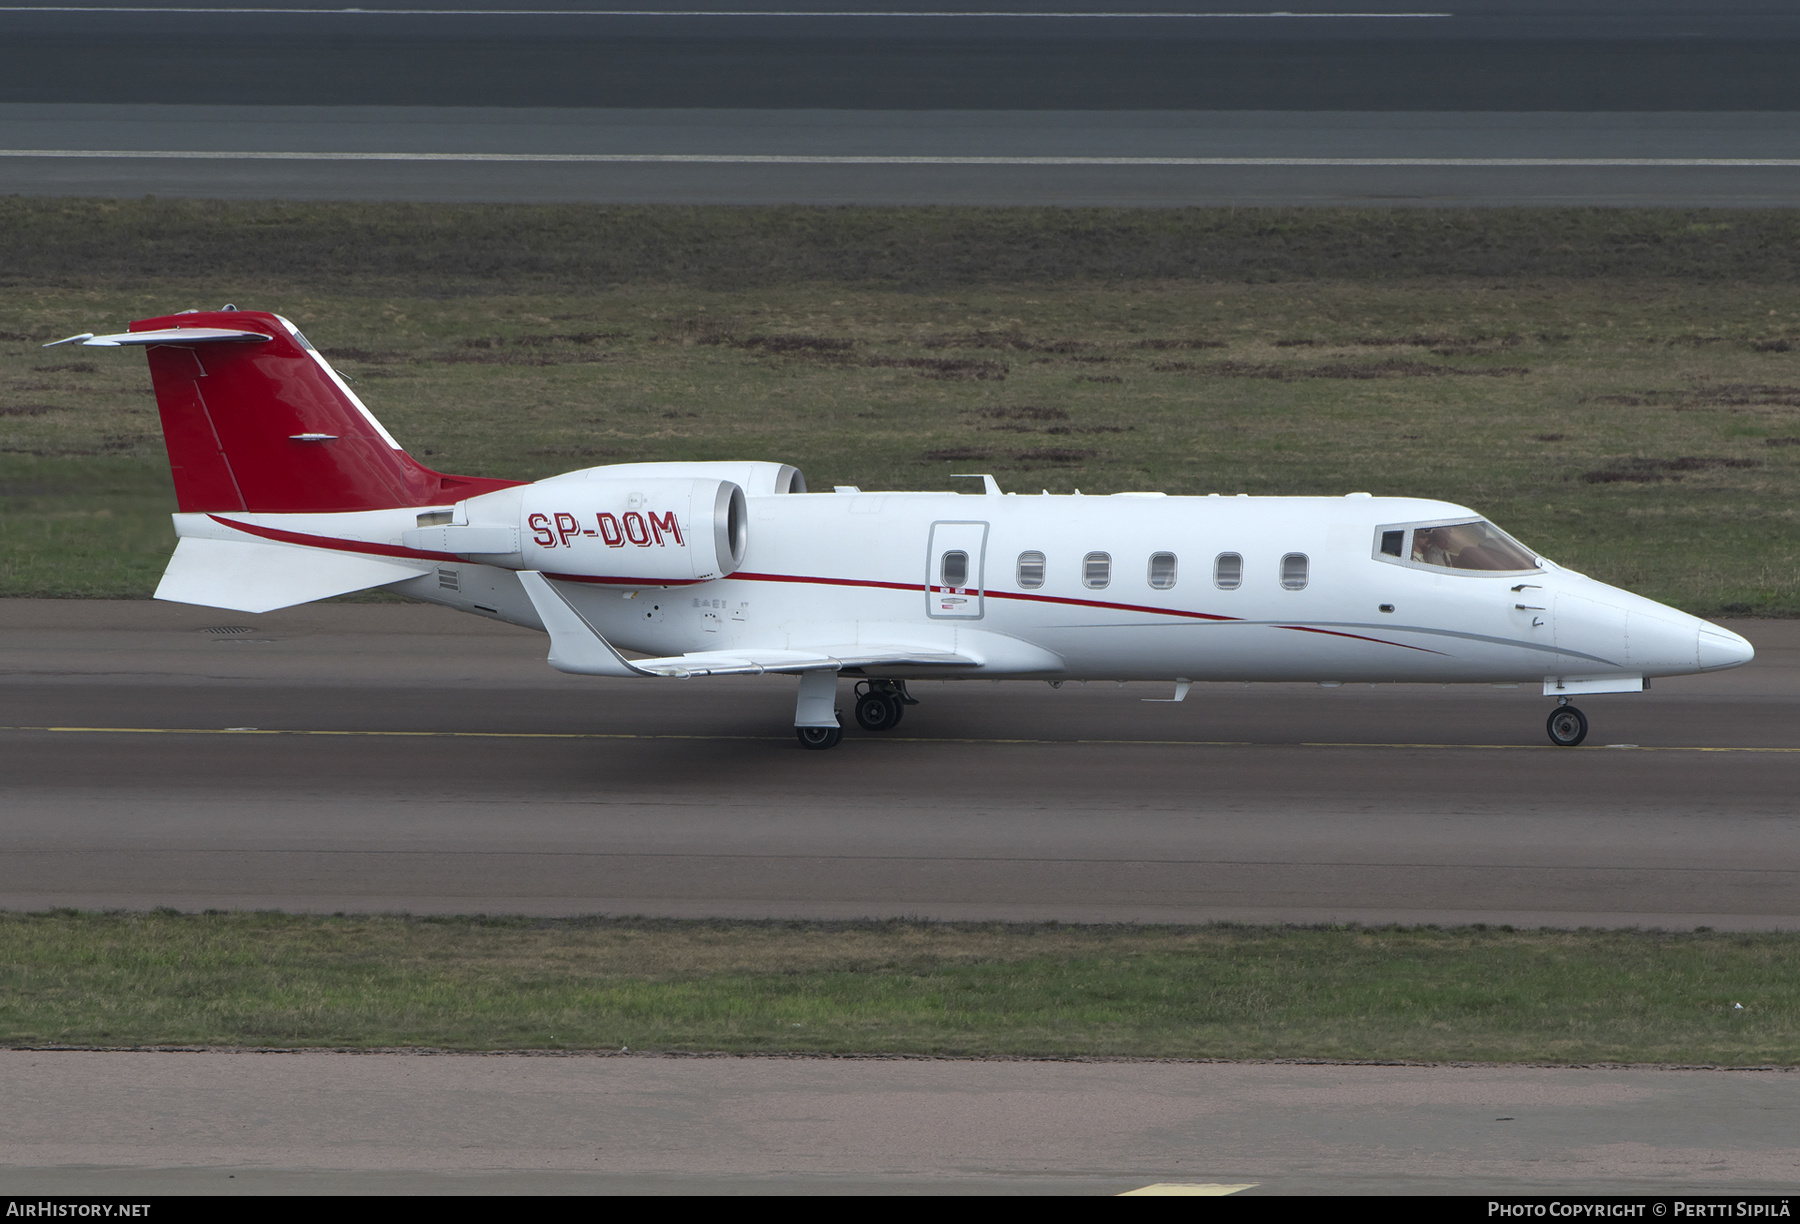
x: 897, y: 739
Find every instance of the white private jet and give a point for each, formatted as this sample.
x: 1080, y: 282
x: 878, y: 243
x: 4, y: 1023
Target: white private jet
x: 290, y: 490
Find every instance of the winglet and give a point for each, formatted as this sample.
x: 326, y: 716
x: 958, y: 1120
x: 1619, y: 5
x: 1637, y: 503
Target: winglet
x: 575, y: 645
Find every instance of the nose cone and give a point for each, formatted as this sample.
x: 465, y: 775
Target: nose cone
x: 1719, y: 649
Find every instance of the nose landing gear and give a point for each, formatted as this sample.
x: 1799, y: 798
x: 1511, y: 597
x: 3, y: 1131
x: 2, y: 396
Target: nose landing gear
x: 1567, y: 725
x: 880, y: 704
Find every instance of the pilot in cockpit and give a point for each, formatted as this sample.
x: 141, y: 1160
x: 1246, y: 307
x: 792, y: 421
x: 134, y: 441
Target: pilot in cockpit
x: 1469, y: 546
x: 1432, y: 546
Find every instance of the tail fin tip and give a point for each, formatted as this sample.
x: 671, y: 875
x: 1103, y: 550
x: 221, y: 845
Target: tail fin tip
x: 255, y: 419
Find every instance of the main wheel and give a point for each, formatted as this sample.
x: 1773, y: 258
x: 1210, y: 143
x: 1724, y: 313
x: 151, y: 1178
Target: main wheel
x: 1567, y: 726
x: 819, y: 737
x: 879, y: 711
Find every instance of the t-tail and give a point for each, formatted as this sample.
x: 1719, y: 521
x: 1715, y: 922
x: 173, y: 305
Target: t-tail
x: 257, y: 422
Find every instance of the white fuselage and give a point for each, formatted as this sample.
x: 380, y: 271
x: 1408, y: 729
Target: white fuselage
x: 852, y: 566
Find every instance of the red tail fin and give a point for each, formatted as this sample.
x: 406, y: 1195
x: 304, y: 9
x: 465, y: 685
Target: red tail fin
x: 271, y: 427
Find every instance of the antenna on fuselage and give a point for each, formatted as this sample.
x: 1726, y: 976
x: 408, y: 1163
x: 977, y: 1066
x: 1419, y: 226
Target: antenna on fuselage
x: 989, y: 485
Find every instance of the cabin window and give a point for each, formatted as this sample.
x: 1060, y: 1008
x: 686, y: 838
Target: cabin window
x: 1293, y: 572
x: 1228, y: 571
x: 1162, y: 570
x: 1096, y: 571
x: 956, y: 569
x: 1393, y: 543
x: 1031, y: 570
x: 1469, y: 546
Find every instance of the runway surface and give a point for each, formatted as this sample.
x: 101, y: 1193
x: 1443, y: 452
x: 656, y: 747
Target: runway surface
x: 201, y: 1123
x: 822, y: 156
x: 1681, y: 104
x: 1474, y: 55
x: 385, y: 757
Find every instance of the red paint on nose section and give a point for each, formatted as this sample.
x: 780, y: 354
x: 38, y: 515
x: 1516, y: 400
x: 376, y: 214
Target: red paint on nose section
x: 236, y: 417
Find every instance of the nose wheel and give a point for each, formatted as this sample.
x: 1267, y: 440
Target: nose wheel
x: 1567, y: 726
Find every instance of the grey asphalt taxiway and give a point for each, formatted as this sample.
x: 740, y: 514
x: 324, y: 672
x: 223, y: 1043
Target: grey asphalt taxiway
x: 1488, y: 102
x: 153, y: 1123
x: 405, y: 758
x: 968, y: 157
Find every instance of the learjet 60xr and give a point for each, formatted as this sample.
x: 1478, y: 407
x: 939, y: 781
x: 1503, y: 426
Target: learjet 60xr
x: 290, y: 490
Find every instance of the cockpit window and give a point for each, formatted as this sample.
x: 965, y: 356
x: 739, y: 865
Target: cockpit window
x: 1465, y: 546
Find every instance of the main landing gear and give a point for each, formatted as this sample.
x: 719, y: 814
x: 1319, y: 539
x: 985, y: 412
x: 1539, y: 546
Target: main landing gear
x: 1567, y: 725
x: 819, y: 737
x: 880, y: 704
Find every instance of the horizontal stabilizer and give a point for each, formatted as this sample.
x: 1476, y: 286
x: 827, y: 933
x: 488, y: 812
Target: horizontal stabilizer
x: 577, y: 647
x: 167, y: 335
x: 255, y: 576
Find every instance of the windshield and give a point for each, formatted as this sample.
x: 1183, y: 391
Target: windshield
x: 1469, y: 546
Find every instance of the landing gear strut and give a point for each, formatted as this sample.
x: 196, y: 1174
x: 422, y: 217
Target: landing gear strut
x: 817, y: 723
x: 880, y: 704
x: 1567, y: 725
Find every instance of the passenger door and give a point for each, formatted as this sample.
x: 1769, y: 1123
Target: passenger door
x: 955, y: 565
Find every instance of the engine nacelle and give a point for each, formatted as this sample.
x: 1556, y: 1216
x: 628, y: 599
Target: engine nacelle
x: 634, y: 530
x: 627, y: 530
x: 756, y: 478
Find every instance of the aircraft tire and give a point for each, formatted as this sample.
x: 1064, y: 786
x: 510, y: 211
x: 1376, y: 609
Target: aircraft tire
x: 879, y: 712
x: 819, y: 738
x: 1567, y: 726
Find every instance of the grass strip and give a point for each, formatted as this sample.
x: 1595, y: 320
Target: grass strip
x: 1616, y: 387
x: 432, y: 250
x: 1647, y: 434
x: 1219, y: 991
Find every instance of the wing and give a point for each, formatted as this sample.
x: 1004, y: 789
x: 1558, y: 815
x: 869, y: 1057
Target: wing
x: 756, y: 662
x: 576, y: 646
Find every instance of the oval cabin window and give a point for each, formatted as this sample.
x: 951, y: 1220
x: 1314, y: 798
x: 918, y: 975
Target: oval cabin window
x: 1228, y: 571
x: 1096, y: 571
x: 1031, y: 570
x: 1293, y: 572
x: 956, y: 569
x: 1162, y: 570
